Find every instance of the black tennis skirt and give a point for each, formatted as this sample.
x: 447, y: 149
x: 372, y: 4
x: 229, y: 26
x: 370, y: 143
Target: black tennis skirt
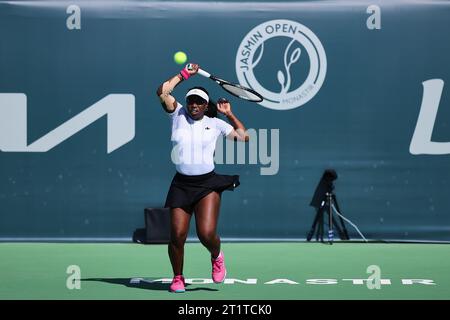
x: 188, y: 190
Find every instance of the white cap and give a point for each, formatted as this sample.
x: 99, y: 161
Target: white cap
x: 198, y: 92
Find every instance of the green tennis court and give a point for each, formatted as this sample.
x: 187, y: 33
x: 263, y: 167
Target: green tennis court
x: 276, y: 271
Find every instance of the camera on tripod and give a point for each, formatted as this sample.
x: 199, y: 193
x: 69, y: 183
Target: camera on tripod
x: 325, y: 201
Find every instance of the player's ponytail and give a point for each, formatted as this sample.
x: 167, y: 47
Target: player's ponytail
x: 212, y: 109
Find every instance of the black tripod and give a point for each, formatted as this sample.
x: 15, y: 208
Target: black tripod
x: 326, y: 207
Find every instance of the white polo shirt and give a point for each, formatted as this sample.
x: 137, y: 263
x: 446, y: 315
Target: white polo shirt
x: 194, y: 141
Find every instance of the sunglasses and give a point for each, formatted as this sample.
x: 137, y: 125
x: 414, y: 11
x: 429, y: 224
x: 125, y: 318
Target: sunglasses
x: 195, y: 99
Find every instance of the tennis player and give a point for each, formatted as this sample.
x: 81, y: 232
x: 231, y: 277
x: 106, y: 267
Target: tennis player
x: 196, y: 188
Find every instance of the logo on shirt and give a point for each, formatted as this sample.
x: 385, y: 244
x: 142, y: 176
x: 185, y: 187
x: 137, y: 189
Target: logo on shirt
x: 284, y: 61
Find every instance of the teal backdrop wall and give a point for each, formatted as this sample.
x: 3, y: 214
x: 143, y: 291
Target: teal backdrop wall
x: 379, y: 57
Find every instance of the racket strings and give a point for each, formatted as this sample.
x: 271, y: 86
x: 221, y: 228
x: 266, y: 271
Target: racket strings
x: 242, y: 92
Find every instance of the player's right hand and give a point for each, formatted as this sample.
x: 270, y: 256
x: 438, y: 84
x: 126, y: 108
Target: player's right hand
x: 192, y: 68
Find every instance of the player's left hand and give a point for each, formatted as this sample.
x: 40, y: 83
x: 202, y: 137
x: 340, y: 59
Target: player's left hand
x: 223, y: 106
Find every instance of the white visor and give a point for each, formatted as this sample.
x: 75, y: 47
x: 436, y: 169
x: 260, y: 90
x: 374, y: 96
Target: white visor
x: 198, y: 92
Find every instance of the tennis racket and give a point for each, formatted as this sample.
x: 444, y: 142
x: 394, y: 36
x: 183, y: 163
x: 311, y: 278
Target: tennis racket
x: 234, y: 89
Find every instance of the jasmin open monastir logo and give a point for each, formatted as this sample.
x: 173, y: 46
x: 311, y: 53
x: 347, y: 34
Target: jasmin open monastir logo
x: 284, y: 61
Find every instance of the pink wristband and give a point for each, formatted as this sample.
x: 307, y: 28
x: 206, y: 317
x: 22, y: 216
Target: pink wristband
x: 185, y: 74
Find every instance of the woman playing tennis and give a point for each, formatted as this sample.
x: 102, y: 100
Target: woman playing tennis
x: 196, y: 188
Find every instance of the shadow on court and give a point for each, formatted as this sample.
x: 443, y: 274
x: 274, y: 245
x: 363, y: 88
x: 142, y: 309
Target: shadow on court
x: 144, y: 284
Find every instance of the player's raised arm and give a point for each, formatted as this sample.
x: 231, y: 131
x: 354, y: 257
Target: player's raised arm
x: 164, y: 91
x: 239, y: 133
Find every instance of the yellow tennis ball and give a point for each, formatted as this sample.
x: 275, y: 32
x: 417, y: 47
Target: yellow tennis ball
x: 180, y: 57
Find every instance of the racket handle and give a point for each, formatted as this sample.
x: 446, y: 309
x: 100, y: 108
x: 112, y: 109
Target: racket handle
x: 203, y: 73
